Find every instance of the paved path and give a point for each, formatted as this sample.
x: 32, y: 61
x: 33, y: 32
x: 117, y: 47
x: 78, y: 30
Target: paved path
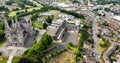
x: 40, y: 34
x: 12, y: 51
x: 11, y: 56
x: 95, y: 39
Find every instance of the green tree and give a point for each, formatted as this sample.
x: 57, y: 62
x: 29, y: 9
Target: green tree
x: 21, y: 4
x: 70, y: 44
x: 107, y: 9
x: 45, y: 25
x: 37, y: 49
x: 34, y: 16
x: 105, y: 43
x: 0, y: 53
x: 49, y: 19
x: 8, y: 2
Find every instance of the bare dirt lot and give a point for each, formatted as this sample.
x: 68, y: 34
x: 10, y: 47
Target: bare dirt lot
x: 65, y: 57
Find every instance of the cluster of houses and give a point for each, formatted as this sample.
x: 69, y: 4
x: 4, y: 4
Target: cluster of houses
x: 106, y: 55
x: 88, y: 53
x: 115, y: 56
x: 110, y: 31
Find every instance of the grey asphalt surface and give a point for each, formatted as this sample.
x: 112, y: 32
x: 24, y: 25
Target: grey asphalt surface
x: 70, y: 37
x: 93, y: 18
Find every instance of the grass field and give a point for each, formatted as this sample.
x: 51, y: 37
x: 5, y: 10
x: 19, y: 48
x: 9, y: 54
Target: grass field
x: 4, y: 60
x: 65, y: 57
x: 118, y: 40
x: 13, y: 13
x: 100, y: 49
x: 55, y: 13
x: 38, y: 25
x: 73, y: 49
x: 15, y: 59
x: 28, y: 6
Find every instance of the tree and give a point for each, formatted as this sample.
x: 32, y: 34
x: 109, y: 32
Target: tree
x: 107, y: 9
x: 37, y: 49
x: 0, y: 53
x: 21, y: 4
x: 49, y: 39
x: 34, y: 16
x: 45, y: 25
x: 1, y: 25
x: 2, y: 8
x: 70, y: 44
x: 25, y: 60
x: 8, y: 2
x: 119, y: 48
x: 49, y: 19
x: 1, y: 31
x: 105, y: 43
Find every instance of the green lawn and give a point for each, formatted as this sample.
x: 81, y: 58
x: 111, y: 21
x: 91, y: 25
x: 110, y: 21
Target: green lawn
x: 38, y: 25
x: 118, y: 40
x: 28, y: 6
x: 43, y: 16
x: 13, y: 13
x: 15, y: 59
x: 2, y: 42
x: 100, y: 49
x: 73, y: 49
x: 4, y: 60
x: 55, y: 13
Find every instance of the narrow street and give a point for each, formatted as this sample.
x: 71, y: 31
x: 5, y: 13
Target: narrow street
x: 94, y: 28
x: 94, y: 19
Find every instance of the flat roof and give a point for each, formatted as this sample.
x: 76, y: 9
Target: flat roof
x: 116, y: 17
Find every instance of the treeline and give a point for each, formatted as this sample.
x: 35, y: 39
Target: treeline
x: 42, y: 45
x: 1, y: 31
x: 27, y: 2
x: 24, y: 13
x: 21, y: 3
x: 83, y: 37
x: 44, y: 9
x: 73, y: 13
x: 2, y: 8
x: 37, y: 49
x: 77, y: 15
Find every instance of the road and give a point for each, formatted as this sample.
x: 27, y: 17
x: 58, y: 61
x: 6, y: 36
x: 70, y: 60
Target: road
x: 40, y: 34
x: 95, y: 29
x: 94, y: 19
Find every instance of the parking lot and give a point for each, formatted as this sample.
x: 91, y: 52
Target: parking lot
x: 70, y: 37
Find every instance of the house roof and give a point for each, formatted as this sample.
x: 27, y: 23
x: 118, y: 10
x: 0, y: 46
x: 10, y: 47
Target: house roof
x: 116, y: 18
x: 114, y: 25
